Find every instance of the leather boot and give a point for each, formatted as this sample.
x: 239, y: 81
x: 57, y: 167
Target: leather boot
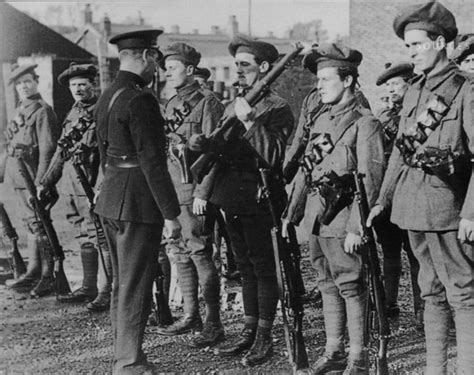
x: 186, y: 324
x: 391, y: 282
x: 333, y: 363
x: 355, y: 307
x: 464, y: 317
x: 46, y: 285
x: 262, y: 348
x: 212, y: 334
x: 436, y: 319
x: 102, y: 301
x: 357, y: 366
x: 239, y: 344
x: 33, y: 273
x: 88, y: 291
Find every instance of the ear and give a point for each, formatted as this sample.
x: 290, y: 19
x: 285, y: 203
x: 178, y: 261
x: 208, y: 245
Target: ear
x: 190, y: 70
x: 264, y: 67
x: 145, y: 54
x: 348, y: 81
x: 440, y: 42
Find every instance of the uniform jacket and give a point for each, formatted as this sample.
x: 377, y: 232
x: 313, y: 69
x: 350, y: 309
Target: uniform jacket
x: 133, y: 129
x: 35, y: 126
x: 422, y: 201
x: 358, y: 145
x: 202, y: 119
x: 60, y: 166
x: 237, y: 179
x: 389, y: 118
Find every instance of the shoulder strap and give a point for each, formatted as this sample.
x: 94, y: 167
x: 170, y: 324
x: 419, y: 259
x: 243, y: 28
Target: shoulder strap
x: 346, y: 122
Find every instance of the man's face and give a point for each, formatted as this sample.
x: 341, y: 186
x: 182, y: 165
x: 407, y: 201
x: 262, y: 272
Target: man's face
x: 26, y: 86
x: 247, y: 69
x: 330, y: 85
x: 82, y: 89
x: 424, y: 52
x: 468, y: 64
x: 150, y: 64
x: 396, y: 89
x: 177, y: 74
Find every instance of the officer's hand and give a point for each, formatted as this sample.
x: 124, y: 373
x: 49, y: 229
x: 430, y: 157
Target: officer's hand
x: 244, y: 112
x: 466, y: 230
x: 198, y: 143
x: 374, y: 212
x: 172, y: 229
x: 352, y: 243
x: 199, y: 206
x: 284, y: 227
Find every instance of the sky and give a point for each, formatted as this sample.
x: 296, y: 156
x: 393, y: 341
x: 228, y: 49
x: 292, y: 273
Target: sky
x: 266, y: 15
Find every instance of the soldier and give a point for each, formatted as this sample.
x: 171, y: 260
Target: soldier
x: 347, y: 137
x: 32, y: 135
x: 266, y: 127
x: 137, y: 195
x: 80, y: 127
x: 429, y: 183
x: 464, y: 55
x: 192, y: 110
x: 201, y: 75
x: 396, y: 79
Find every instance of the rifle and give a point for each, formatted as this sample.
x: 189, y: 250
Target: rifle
x: 17, y: 265
x: 62, y: 285
x: 229, y: 124
x: 163, y: 314
x: 101, y: 240
x: 289, y: 285
x: 376, y: 314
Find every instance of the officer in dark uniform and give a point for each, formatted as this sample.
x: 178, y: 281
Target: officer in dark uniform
x: 137, y: 195
x: 463, y: 55
x: 266, y: 127
x: 347, y: 137
x: 32, y: 134
x: 396, y: 78
x: 193, y: 110
x: 429, y: 184
x: 79, y: 127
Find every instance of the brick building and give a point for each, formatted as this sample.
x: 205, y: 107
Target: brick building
x: 371, y: 32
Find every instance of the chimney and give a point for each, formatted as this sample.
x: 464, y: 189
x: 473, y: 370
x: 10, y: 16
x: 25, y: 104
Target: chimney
x: 87, y: 14
x: 141, y: 20
x: 107, y: 26
x: 232, y: 26
x: 215, y: 30
x: 174, y: 29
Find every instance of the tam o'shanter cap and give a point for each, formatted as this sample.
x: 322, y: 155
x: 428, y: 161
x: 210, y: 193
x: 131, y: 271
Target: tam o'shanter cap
x: 181, y: 52
x: 136, y: 39
x: 431, y: 17
x: 262, y: 50
x: 394, y: 70
x: 20, y: 70
x: 331, y: 55
x: 202, y: 72
x: 77, y: 70
x: 463, y: 50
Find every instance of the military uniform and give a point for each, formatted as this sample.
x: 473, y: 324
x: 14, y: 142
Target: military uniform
x: 192, y: 110
x: 391, y: 238
x: 248, y: 219
x: 85, y: 153
x: 32, y: 134
x: 356, y: 138
x: 430, y: 203
x: 136, y: 194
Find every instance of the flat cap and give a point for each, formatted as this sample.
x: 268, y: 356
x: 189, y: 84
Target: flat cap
x: 202, y: 72
x: 136, y: 39
x: 77, y: 70
x: 181, y: 52
x: 463, y: 50
x: 19, y: 70
x: 431, y: 17
x: 331, y: 55
x: 262, y: 50
x: 394, y: 70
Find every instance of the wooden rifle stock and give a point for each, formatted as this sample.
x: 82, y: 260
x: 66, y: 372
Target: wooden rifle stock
x: 376, y: 297
x: 17, y: 264
x: 289, y: 286
x: 229, y: 123
x: 163, y: 314
x: 62, y: 285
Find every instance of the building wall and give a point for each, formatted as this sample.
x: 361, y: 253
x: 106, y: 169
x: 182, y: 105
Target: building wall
x: 371, y: 32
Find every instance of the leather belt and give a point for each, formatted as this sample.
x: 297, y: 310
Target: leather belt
x: 122, y: 161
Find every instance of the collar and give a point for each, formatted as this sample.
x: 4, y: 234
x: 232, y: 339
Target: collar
x: 126, y: 76
x: 85, y: 103
x: 30, y: 100
x: 337, y: 110
x: 184, y: 91
x: 434, y: 81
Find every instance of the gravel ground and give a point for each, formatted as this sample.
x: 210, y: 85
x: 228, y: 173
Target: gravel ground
x: 42, y: 336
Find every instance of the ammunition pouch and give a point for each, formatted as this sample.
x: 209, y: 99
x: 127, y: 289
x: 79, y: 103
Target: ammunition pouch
x: 70, y: 141
x: 20, y: 150
x: 49, y: 197
x: 438, y: 162
x: 320, y: 146
x: 337, y: 192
